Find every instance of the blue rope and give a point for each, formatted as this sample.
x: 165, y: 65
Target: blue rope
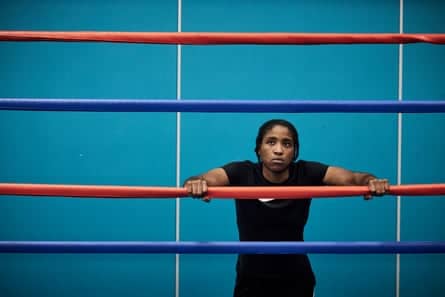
x: 167, y: 247
x: 253, y: 106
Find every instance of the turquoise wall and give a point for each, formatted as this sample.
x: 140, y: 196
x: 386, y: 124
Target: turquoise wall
x: 140, y: 148
x: 424, y: 157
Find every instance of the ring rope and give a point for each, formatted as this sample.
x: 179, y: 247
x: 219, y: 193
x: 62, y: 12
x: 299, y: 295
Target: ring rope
x: 224, y: 247
x: 304, y: 192
x: 221, y: 192
x: 212, y: 38
x: 165, y: 105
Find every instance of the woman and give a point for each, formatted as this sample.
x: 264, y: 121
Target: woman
x: 266, y: 219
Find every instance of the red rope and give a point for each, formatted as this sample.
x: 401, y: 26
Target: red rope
x: 206, y: 38
x: 214, y: 192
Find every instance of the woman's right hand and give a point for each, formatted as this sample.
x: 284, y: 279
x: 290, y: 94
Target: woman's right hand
x: 197, y: 188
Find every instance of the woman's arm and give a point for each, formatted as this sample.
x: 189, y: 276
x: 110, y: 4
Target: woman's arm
x: 338, y: 176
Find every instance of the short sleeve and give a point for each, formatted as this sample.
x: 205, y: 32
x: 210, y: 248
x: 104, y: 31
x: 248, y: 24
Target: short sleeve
x: 315, y: 172
x: 235, y: 171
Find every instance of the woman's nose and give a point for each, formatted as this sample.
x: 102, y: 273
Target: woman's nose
x: 278, y: 149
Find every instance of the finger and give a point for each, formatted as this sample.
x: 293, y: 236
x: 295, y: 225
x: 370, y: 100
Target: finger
x: 386, y: 185
x: 378, y: 187
x: 196, y: 186
x: 371, y: 185
x: 188, y: 188
x: 367, y: 197
x: 382, y: 185
x: 204, y: 186
x: 199, y: 187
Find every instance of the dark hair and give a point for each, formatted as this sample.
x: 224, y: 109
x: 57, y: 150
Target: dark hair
x: 267, y: 126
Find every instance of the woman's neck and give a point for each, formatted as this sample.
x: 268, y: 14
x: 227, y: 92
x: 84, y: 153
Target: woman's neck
x: 275, y: 177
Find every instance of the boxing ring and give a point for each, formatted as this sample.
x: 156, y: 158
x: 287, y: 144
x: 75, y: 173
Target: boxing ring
x: 232, y: 106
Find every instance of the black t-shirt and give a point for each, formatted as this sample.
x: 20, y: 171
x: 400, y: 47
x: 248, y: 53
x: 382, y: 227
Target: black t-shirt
x: 276, y: 220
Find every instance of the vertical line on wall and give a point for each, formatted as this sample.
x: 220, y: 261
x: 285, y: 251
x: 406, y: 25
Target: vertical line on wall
x: 399, y: 149
x: 178, y: 148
